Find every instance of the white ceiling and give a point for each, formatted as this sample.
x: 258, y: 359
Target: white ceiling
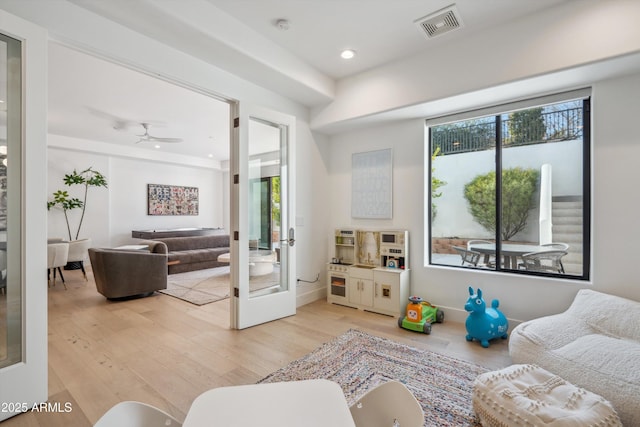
x: 380, y: 31
x: 88, y: 96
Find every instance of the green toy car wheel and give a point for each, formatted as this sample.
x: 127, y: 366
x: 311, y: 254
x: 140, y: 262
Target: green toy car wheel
x: 426, y: 328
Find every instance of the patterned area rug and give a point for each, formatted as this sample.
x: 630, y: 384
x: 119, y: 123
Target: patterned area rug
x: 359, y: 362
x: 201, y: 287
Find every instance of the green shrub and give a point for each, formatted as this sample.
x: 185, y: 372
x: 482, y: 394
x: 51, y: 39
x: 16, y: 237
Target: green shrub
x: 435, y: 184
x: 526, y: 126
x: 518, y: 188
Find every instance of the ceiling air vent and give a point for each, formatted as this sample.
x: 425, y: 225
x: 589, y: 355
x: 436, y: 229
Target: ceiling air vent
x: 440, y: 22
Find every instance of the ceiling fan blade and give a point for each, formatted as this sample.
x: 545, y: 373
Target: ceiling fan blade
x: 145, y: 137
x: 158, y: 139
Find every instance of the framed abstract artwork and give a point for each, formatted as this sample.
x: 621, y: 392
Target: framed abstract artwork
x: 172, y: 200
x: 372, y: 184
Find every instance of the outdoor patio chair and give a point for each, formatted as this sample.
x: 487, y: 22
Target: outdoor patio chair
x: 488, y: 259
x: 469, y: 257
x: 545, y: 261
x: 560, y: 247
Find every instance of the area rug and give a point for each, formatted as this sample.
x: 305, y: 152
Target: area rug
x: 201, y: 287
x: 358, y: 362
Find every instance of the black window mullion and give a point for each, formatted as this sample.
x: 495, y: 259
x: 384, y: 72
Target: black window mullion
x: 586, y: 187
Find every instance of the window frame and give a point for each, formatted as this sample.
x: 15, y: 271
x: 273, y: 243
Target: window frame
x: 497, y: 111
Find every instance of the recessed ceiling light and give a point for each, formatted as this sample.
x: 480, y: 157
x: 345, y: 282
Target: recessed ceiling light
x: 156, y: 146
x: 348, y: 54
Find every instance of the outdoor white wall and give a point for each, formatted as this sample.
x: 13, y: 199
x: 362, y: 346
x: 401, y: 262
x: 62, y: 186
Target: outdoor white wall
x: 453, y: 217
x: 615, y: 209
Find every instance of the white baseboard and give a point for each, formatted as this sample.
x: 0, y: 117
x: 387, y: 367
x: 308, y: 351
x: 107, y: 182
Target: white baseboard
x: 306, y: 295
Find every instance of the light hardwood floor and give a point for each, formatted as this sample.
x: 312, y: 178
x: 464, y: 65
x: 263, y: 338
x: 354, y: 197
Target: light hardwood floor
x: 165, y: 352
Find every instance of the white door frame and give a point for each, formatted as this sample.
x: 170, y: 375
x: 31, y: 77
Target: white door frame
x: 25, y: 383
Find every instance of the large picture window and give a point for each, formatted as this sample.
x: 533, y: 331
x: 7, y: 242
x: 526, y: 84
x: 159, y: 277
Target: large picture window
x: 509, y: 188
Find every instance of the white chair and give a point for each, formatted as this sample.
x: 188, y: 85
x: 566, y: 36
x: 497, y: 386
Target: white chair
x: 78, y: 252
x: 136, y: 414
x: 388, y: 405
x: 57, y: 254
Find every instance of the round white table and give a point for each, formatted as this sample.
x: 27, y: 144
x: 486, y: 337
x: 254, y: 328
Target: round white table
x: 509, y: 251
x: 309, y: 403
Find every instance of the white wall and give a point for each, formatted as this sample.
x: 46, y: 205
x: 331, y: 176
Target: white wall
x: 113, y: 212
x: 615, y: 209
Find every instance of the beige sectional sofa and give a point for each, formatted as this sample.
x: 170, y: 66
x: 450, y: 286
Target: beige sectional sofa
x: 594, y: 344
x: 191, y: 252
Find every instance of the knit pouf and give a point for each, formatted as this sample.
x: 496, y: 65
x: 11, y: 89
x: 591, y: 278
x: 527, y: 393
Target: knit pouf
x: 527, y: 395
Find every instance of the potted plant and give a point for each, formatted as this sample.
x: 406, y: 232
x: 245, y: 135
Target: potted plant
x: 62, y: 200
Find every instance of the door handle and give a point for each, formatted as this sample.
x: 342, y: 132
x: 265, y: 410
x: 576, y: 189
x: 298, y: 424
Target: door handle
x: 291, y: 240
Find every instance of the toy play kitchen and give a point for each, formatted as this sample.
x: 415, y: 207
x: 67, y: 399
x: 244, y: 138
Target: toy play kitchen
x: 369, y: 270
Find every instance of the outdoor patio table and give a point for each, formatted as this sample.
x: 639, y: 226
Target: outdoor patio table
x: 309, y: 403
x: 509, y: 251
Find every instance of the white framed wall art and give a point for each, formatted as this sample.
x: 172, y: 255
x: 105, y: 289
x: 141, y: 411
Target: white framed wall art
x: 372, y: 184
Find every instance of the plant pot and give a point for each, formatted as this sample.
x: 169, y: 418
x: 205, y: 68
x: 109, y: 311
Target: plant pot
x: 74, y: 265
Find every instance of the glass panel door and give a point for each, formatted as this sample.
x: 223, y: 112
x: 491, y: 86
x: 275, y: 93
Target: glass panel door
x: 262, y: 207
x: 10, y: 136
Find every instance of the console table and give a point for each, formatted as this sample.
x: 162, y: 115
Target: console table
x: 175, y: 232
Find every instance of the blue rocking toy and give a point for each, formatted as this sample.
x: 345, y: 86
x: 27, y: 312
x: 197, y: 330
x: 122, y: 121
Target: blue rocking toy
x: 484, y: 324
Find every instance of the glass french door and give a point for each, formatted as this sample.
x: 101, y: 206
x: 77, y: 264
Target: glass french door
x: 23, y: 291
x: 263, y: 276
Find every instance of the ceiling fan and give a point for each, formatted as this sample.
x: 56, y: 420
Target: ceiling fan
x: 150, y: 138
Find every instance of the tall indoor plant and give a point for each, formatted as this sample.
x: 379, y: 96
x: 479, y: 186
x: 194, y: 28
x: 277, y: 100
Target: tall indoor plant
x: 61, y: 198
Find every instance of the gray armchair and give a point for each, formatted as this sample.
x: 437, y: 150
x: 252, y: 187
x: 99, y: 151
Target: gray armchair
x: 121, y: 274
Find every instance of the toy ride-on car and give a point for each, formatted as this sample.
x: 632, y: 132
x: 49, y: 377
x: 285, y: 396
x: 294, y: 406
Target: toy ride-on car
x: 420, y: 315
